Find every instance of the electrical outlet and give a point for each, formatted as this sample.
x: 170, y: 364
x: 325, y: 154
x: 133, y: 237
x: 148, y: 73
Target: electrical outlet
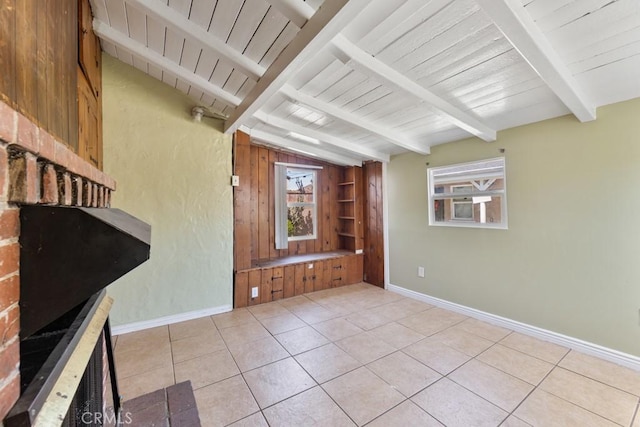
x: 310, y: 266
x: 254, y: 292
x: 235, y: 180
x: 420, y: 271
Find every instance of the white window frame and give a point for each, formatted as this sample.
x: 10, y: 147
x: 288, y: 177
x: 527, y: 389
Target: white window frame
x: 282, y: 205
x: 456, y: 175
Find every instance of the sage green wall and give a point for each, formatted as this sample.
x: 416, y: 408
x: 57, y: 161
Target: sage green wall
x: 570, y: 260
x: 174, y: 174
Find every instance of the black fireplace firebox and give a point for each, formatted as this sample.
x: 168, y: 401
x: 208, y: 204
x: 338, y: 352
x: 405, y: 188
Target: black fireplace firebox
x: 68, y: 255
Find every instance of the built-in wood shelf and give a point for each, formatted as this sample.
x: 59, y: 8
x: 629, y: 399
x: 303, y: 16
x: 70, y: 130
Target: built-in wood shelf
x: 346, y: 234
x: 347, y: 217
x: 346, y: 183
x: 346, y: 201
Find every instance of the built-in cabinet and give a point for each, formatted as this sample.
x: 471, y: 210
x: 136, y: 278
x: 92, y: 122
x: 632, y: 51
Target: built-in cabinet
x: 89, y: 89
x: 286, y: 277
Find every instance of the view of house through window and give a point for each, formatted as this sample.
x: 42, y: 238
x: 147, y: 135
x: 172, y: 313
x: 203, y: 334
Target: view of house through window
x: 468, y: 195
x: 295, y: 203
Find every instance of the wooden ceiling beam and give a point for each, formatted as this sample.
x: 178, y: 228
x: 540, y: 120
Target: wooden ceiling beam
x: 349, y: 118
x: 297, y: 11
x: 323, y: 26
x: 352, y: 55
x: 298, y: 147
x: 190, y: 30
x: 355, y: 149
x: 523, y: 33
x: 123, y: 41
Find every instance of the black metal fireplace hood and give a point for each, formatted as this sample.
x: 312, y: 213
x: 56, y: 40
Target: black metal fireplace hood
x: 68, y: 254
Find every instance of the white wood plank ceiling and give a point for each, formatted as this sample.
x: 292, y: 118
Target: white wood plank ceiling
x: 354, y: 80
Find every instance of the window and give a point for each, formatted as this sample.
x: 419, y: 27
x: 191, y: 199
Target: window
x: 295, y: 204
x: 462, y: 207
x: 468, y: 194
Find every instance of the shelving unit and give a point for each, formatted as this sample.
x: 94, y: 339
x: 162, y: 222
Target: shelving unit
x: 349, y: 202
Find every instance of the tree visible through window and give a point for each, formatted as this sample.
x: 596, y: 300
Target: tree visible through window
x: 300, y: 203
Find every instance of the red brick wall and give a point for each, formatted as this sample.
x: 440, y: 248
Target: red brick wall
x: 34, y: 169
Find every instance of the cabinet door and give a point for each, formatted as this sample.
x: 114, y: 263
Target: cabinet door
x: 310, y: 274
x: 241, y: 290
x: 277, y: 283
x: 289, y: 281
x: 354, y: 271
x: 318, y: 276
x: 301, y: 278
x: 89, y: 124
x: 337, y: 272
x: 266, y: 285
x: 255, y: 280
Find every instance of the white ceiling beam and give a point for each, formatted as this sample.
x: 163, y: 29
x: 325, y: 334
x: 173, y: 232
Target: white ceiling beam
x: 329, y: 156
x: 356, y: 149
x: 297, y: 11
x: 390, y: 135
x: 188, y: 29
x: 122, y: 41
x: 523, y: 33
x: 351, y: 54
x: 323, y: 26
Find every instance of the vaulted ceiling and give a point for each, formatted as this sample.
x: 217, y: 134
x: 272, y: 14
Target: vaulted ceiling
x: 354, y: 80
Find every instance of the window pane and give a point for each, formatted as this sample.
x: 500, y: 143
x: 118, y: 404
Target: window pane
x: 462, y: 210
x: 300, y: 221
x: 300, y: 185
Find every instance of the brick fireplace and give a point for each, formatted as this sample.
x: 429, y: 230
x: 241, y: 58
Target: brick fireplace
x: 35, y: 169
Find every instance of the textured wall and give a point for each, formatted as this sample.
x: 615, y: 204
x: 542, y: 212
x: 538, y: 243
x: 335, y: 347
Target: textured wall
x: 173, y: 173
x: 569, y: 260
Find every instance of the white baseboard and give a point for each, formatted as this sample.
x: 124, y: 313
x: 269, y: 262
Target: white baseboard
x: 168, y: 320
x: 596, y: 350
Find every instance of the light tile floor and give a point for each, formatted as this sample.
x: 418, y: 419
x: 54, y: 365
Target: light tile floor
x: 359, y: 355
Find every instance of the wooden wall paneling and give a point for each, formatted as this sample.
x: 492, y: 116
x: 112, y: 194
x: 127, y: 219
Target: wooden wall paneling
x: 8, y: 51
x: 300, y: 279
x: 26, y: 47
x: 326, y: 210
x: 253, y: 177
x: 373, y: 231
x: 69, y: 73
x: 273, y: 252
x: 255, y: 280
x: 289, y: 281
x: 241, y: 289
x: 242, y: 202
x: 266, y: 285
x: 43, y: 55
x: 379, y: 234
x: 277, y: 283
x: 263, y: 203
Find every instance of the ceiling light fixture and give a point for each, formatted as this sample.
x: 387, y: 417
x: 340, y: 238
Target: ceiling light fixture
x: 304, y: 138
